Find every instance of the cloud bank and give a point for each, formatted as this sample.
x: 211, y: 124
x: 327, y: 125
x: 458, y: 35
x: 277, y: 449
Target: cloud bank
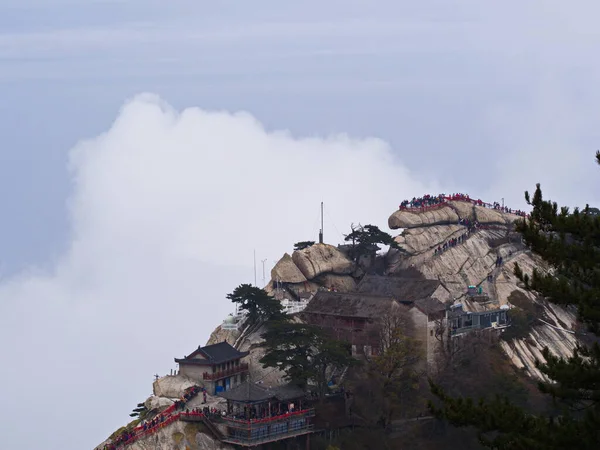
x: 166, y: 211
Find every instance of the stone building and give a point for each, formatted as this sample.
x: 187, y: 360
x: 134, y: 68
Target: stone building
x: 426, y: 301
x: 219, y: 367
x: 351, y: 317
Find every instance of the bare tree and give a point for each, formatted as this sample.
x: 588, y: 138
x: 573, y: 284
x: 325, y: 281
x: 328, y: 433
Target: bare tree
x: 391, y: 372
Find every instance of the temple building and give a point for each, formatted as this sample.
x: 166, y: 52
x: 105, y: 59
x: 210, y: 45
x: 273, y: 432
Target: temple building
x: 258, y: 415
x: 351, y: 317
x: 219, y: 367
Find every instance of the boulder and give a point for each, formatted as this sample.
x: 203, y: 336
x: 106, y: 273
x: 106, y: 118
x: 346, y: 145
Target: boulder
x: 442, y: 215
x: 466, y: 210
x: 157, y: 403
x: 322, y: 258
x: 172, y: 386
x: 286, y: 271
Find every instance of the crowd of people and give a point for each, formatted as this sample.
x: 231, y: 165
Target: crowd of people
x: 179, y: 408
x: 428, y: 201
x: 150, y: 426
x: 421, y: 202
x: 497, y: 206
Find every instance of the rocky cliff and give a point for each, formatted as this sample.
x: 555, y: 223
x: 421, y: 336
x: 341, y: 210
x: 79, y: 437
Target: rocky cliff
x: 483, y: 235
x: 473, y: 262
x: 457, y: 243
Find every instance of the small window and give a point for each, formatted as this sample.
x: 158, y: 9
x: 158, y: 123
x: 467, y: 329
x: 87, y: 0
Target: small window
x: 430, y: 332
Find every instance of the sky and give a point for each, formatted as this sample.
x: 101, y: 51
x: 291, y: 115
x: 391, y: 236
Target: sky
x: 149, y: 148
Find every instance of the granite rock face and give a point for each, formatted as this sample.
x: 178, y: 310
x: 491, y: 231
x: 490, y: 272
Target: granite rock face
x: 472, y: 261
x: 322, y: 258
x: 286, y: 271
x: 448, y: 213
x: 172, y: 386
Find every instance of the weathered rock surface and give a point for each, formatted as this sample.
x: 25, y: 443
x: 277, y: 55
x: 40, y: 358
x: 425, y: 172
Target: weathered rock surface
x: 253, y: 343
x: 322, y: 258
x: 220, y: 335
x: 442, y: 215
x: 448, y: 213
x: 154, y: 403
x: 286, y: 271
x: 471, y: 262
x: 172, y: 386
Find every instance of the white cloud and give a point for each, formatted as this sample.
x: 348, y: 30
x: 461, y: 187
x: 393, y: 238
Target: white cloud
x: 166, y: 212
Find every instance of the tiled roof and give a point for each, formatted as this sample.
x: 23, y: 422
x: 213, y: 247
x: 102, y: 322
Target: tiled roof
x: 350, y: 304
x: 214, y: 354
x: 249, y: 392
x: 403, y: 289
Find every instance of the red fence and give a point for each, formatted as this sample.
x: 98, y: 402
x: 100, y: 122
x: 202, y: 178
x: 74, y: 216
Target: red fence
x: 280, y: 417
x: 139, y: 432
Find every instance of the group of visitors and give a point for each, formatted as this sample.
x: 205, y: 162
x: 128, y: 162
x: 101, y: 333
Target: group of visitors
x: 472, y: 225
x: 428, y: 201
x: 451, y: 243
x: 425, y: 201
x: 128, y: 436
x: 497, y: 206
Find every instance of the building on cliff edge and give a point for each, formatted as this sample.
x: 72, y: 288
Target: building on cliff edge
x: 219, y: 367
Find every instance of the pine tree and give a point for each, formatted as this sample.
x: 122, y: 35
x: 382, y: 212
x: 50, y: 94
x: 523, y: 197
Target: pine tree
x: 304, y: 352
x: 259, y: 304
x: 570, y: 243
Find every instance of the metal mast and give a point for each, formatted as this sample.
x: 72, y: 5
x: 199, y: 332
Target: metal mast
x: 254, y: 267
x: 321, y: 231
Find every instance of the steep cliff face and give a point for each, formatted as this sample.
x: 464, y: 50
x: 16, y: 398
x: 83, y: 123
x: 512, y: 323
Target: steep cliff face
x: 472, y: 261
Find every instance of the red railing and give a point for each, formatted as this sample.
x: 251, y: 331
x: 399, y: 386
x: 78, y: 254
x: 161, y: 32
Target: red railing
x: 304, y: 412
x: 165, y: 418
x: 225, y: 373
x: 139, y: 432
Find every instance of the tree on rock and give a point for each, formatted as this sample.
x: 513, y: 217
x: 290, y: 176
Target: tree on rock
x: 305, y: 353
x: 259, y: 304
x: 303, y: 244
x: 570, y: 243
x: 365, y: 241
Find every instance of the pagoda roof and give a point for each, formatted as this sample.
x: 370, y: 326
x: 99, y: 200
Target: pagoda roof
x: 213, y: 354
x: 249, y: 392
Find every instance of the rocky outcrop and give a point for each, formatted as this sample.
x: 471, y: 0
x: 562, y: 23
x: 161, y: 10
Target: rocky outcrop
x: 253, y: 343
x: 220, y: 335
x: 442, y: 215
x: 286, y: 271
x: 154, y: 403
x: 322, y: 258
x: 172, y: 386
x: 473, y: 262
x: 448, y: 213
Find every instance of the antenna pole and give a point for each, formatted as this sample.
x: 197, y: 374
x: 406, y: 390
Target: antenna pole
x: 321, y: 232
x: 254, y: 267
